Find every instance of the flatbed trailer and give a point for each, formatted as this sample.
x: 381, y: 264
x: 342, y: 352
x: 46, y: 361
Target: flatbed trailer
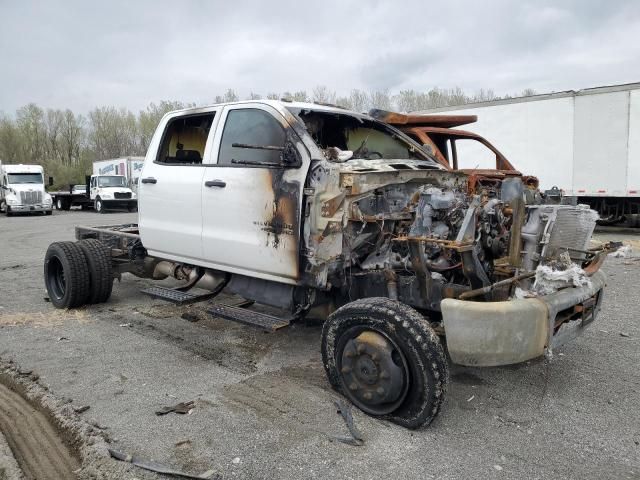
x: 64, y: 200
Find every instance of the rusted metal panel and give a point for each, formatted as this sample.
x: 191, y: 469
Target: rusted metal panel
x: 403, y: 119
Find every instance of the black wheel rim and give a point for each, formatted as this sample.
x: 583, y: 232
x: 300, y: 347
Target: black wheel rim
x: 373, y: 370
x: 56, y: 279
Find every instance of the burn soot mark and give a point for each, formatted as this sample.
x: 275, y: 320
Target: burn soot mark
x: 284, y: 216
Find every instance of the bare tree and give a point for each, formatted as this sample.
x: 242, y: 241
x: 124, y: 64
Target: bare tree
x: 30, y: 122
x: 322, y: 94
x: 11, y: 142
x: 380, y: 99
x: 300, y: 96
x: 112, y: 133
x: 229, y: 96
x: 71, y: 137
x: 359, y: 100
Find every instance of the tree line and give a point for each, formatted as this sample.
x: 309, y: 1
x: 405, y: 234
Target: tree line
x: 66, y: 143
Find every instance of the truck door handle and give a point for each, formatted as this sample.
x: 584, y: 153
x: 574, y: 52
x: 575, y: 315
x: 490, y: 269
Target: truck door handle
x: 215, y: 183
x: 149, y: 180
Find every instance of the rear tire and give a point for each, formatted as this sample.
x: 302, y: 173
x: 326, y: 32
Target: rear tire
x: 66, y: 275
x: 384, y: 356
x: 63, y: 204
x: 98, y: 258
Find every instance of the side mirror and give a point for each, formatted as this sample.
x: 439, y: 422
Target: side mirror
x: 51, y: 181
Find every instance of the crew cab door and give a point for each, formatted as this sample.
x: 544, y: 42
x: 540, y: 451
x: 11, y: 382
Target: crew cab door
x: 252, y: 194
x: 170, y: 201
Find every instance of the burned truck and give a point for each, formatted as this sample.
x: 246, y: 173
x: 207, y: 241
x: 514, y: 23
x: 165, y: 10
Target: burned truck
x: 320, y: 212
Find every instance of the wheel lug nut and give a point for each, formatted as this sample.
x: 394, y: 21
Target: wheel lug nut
x: 380, y: 391
x: 345, y: 369
x: 367, y: 395
x: 384, y: 374
x: 361, y: 349
x: 375, y: 356
x: 353, y: 386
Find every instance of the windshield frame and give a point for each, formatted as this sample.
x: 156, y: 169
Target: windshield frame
x: 16, y: 181
x: 412, y: 146
x: 123, y: 183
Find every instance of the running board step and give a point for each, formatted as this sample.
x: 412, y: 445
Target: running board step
x: 268, y: 323
x: 176, y: 296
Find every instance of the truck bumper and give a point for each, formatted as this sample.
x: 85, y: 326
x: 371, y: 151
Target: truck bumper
x: 488, y: 334
x: 29, y: 208
x: 120, y: 203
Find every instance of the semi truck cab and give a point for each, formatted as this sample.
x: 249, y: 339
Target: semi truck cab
x: 22, y: 190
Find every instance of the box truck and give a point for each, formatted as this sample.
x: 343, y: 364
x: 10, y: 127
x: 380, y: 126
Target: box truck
x: 129, y: 167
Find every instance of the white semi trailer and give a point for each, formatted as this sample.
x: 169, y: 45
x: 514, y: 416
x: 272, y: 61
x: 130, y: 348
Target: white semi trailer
x: 586, y: 143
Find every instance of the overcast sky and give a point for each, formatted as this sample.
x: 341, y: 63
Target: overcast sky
x: 81, y: 54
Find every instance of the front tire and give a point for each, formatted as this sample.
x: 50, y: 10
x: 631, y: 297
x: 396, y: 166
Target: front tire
x: 384, y: 356
x: 66, y: 275
x: 99, y: 206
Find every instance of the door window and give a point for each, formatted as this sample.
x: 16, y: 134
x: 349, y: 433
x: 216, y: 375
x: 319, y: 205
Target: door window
x: 184, y: 140
x: 251, y: 137
x: 473, y: 154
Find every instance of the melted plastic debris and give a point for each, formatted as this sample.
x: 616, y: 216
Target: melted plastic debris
x: 334, y: 154
x: 622, y: 252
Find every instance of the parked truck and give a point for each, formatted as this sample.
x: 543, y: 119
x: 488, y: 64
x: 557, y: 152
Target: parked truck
x: 319, y: 211
x: 22, y: 190
x: 129, y: 167
x: 101, y: 192
x: 568, y: 140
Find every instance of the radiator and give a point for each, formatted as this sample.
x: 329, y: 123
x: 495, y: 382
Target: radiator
x: 572, y: 228
x: 553, y: 229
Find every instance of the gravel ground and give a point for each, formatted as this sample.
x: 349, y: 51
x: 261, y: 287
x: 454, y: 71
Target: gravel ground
x: 263, y: 408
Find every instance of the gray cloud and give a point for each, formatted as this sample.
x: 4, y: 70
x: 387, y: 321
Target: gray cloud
x: 81, y: 54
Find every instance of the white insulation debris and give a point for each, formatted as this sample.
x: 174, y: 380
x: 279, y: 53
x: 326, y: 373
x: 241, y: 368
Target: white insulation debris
x: 549, y: 280
x: 623, y: 252
x: 558, y: 273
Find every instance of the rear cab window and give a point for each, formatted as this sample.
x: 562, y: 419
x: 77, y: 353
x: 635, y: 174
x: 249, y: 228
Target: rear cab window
x: 184, y: 140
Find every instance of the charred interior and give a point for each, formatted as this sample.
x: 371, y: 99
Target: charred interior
x: 385, y: 220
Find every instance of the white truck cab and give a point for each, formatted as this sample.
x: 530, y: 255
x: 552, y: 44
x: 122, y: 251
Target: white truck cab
x: 111, y: 191
x: 22, y: 190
